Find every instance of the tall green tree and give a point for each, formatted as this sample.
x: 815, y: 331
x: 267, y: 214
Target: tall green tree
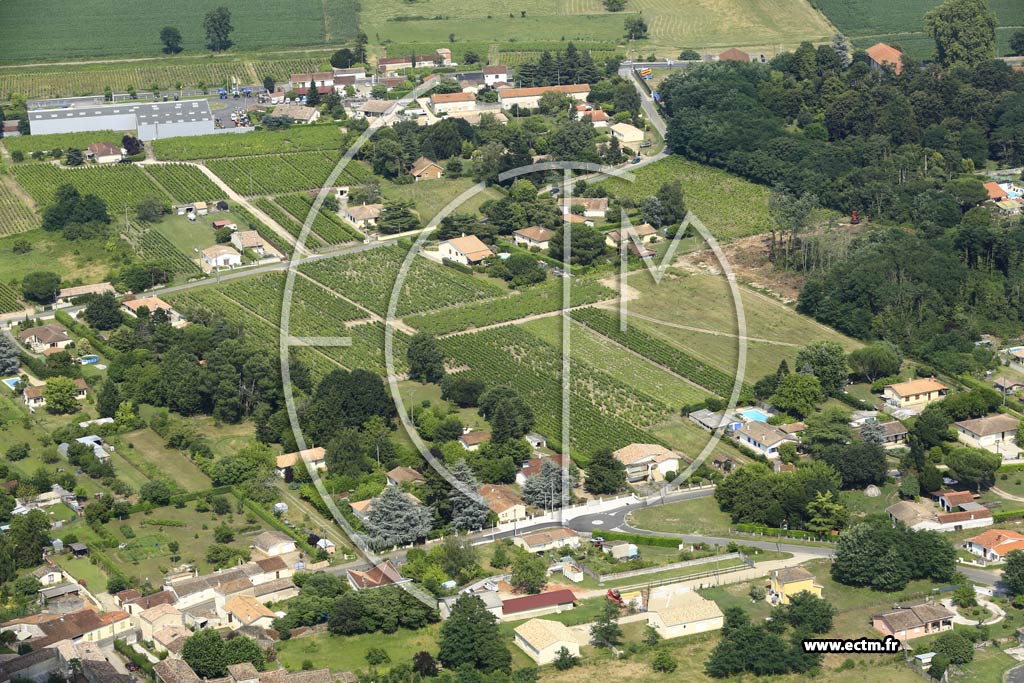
x: 604, y: 473
x: 426, y: 361
x: 171, y: 39
x: 605, y: 631
x: 394, y: 519
x: 217, y: 25
x: 964, y: 32
x: 470, y: 636
x: 798, y: 393
x: 1013, y: 574
x: 60, y: 396
x: 826, y: 360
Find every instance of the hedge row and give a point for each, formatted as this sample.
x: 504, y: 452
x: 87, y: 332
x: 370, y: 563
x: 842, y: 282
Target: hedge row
x: 84, y: 331
x: 639, y: 539
x: 1004, y: 515
x: 137, y: 658
x: 781, y: 533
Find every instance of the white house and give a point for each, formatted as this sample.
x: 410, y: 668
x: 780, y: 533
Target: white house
x: 467, y: 250
x: 995, y: 433
x: 317, y: 457
x: 918, y: 516
x: 504, y: 502
x: 104, y: 152
x: 274, y: 543
x: 45, y: 337
x: 495, y: 74
x: 454, y: 102
x: 362, y: 215
x: 995, y: 544
x: 548, y: 539
x: 674, y: 613
x: 647, y: 461
x: 535, y: 236
x: 249, y: 239
x: 627, y: 135
x: 245, y: 610
x: 593, y: 207
x: 543, y: 639
x: 764, y: 438
x: 221, y: 256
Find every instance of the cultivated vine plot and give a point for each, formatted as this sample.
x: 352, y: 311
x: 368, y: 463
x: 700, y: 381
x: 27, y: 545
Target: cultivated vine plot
x: 285, y: 173
x: 368, y: 278
x: 152, y: 245
x: 185, y: 183
x: 679, y: 362
x: 533, y: 300
x: 119, y: 185
x: 326, y: 224
x: 15, y: 215
x: 294, y: 139
x: 367, y: 350
x: 285, y: 220
x: 604, y: 413
x: 314, y: 311
x: 9, y: 301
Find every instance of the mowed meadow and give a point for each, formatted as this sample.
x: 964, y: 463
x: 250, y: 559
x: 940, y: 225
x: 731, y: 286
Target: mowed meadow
x: 53, y: 29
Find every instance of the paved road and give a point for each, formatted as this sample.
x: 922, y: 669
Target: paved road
x: 646, y: 103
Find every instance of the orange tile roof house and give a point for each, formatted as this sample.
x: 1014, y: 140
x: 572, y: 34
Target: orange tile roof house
x: 647, y: 461
x: 315, y: 456
x: 644, y: 232
x: 913, y: 621
x: 35, y: 396
x: 593, y: 207
x: 425, y: 169
x: 915, y: 394
x: 995, y: 193
x: 104, y: 152
x: 548, y: 539
x: 535, y: 236
x: 995, y: 544
x: 245, y: 610
x: 472, y: 440
x: 504, y: 502
x: 952, y: 500
x: 529, y: 98
x: 383, y: 574
x: 400, y: 475
x: 882, y: 55
x: 467, y: 250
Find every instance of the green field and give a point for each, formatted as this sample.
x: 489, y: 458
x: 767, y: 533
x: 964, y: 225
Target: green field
x: 81, y: 262
x: 673, y: 25
x: 294, y: 139
x: 45, y: 143
x: 429, y: 199
x: 695, y: 313
x: 347, y: 653
x: 49, y: 29
x: 867, y: 22
x: 727, y: 205
x: 165, y: 72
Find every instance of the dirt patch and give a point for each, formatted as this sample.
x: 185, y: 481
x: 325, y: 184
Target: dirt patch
x: 748, y: 258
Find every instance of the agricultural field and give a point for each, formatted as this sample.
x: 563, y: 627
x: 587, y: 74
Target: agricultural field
x: 10, y: 300
x: 605, y: 412
x: 184, y: 183
x: 294, y: 139
x: 285, y: 220
x: 119, y: 186
x: 15, y: 215
x: 867, y: 22
x: 326, y: 224
x: 164, y: 72
x: 153, y: 245
x: 695, y: 314
x: 534, y: 300
x: 589, y: 348
x: 44, y: 29
x: 367, y: 278
x: 44, y: 143
x: 284, y: 173
x: 727, y: 205
x: 606, y: 324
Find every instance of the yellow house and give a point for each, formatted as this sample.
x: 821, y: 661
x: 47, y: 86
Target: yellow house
x: 916, y: 393
x: 789, y: 581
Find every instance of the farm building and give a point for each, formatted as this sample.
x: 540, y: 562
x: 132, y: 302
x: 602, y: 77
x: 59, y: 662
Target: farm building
x: 467, y: 250
x: 530, y: 606
x: 542, y: 639
x: 297, y: 112
x: 918, y: 516
x: 152, y: 120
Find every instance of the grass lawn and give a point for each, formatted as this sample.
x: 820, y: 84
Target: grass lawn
x: 588, y: 347
x: 774, y: 331
x: 88, y: 260
x: 84, y: 571
x: 681, y: 434
x: 696, y: 516
x: 988, y: 666
x: 727, y: 205
x: 430, y: 196
x: 347, y: 653
x: 148, y: 446
x: 188, y: 236
x: 860, y: 505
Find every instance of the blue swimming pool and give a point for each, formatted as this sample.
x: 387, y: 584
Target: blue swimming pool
x: 11, y: 382
x: 755, y: 414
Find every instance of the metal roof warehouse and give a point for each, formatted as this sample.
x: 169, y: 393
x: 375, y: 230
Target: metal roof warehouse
x: 152, y: 120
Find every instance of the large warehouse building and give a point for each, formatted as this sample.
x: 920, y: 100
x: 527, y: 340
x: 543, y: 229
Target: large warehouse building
x: 152, y: 120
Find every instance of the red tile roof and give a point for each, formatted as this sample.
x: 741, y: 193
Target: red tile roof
x: 880, y: 53
x: 529, y: 602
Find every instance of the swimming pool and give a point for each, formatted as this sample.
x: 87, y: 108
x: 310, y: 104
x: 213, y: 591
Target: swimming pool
x: 11, y: 382
x: 755, y: 414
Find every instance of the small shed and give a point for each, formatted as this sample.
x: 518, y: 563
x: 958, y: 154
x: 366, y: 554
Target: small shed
x: 79, y: 549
